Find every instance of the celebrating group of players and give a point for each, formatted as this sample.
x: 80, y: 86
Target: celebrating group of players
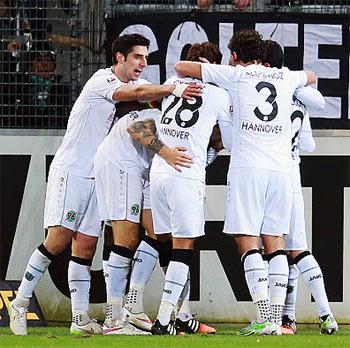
x: 148, y: 167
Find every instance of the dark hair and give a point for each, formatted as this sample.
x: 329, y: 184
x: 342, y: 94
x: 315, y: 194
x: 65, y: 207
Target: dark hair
x: 274, y: 54
x: 248, y: 45
x: 206, y: 50
x: 124, y: 44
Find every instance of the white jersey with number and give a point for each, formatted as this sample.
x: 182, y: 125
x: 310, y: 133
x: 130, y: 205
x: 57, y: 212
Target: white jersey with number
x: 261, y: 121
x: 189, y: 123
x: 122, y: 150
x: 89, y: 122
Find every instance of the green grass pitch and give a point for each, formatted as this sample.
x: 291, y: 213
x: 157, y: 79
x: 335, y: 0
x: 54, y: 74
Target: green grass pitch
x: 58, y: 336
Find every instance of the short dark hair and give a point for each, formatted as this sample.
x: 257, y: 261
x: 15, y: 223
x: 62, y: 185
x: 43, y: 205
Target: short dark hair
x: 274, y: 54
x: 124, y: 44
x: 248, y: 45
x: 206, y: 50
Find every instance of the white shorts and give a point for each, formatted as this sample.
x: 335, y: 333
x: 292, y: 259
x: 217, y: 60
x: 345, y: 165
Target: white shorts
x: 258, y: 202
x: 177, y: 206
x: 71, y: 202
x: 120, y: 195
x: 296, y: 239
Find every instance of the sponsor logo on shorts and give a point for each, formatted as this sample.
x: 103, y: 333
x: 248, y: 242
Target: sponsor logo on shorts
x: 135, y: 209
x: 262, y: 280
x: 281, y: 285
x: 71, y: 216
x: 29, y: 276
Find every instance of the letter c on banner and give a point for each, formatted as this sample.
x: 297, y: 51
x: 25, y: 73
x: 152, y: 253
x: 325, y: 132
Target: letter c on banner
x: 152, y: 72
x: 185, y: 33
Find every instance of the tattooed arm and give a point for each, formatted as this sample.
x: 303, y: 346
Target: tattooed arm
x: 144, y: 132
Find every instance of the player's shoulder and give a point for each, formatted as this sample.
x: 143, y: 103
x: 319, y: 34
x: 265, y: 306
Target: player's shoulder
x: 298, y: 105
x: 103, y: 77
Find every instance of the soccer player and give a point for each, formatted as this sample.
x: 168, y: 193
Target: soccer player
x: 301, y: 260
x: 122, y: 174
x: 177, y: 198
x: 71, y: 213
x: 259, y: 190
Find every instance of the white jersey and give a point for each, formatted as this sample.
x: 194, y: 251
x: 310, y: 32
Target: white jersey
x: 261, y: 120
x: 89, y: 122
x: 190, y: 123
x: 125, y: 153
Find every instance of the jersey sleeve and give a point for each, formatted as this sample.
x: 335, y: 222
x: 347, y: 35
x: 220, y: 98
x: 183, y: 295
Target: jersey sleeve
x: 105, y: 86
x: 225, y: 114
x: 306, y: 141
x: 222, y: 75
x: 310, y: 97
x: 298, y: 79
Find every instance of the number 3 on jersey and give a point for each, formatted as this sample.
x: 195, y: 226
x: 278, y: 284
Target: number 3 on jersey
x: 184, y: 106
x: 270, y: 99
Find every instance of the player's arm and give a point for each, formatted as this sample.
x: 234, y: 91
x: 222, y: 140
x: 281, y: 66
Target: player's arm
x: 192, y: 69
x: 311, y: 77
x: 151, y: 92
x: 144, y: 132
x: 311, y: 98
x: 306, y: 141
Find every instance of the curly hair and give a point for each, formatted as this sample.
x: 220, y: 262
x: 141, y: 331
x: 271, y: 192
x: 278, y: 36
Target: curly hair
x: 274, y: 54
x: 248, y: 45
x: 206, y: 50
x: 124, y: 44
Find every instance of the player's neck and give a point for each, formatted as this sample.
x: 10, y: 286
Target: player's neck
x: 119, y: 74
x: 255, y: 62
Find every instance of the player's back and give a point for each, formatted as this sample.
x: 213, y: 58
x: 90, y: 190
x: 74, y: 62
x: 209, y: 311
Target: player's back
x: 189, y: 123
x: 119, y: 147
x: 262, y: 101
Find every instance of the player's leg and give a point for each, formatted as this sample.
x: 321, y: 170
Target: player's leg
x: 79, y: 280
x: 276, y: 224
x: 289, y: 317
x: 313, y: 277
x: 245, y: 202
x: 119, y: 201
x: 175, y: 280
x: 57, y: 240
x: 277, y: 275
x: 184, y: 200
x: 145, y: 260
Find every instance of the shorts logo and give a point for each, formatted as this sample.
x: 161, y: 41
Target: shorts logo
x: 167, y: 291
x: 135, y: 209
x: 73, y: 290
x: 29, y: 276
x: 71, y: 216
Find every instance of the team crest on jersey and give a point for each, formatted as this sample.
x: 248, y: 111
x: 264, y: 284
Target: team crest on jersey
x: 135, y: 209
x: 71, y: 216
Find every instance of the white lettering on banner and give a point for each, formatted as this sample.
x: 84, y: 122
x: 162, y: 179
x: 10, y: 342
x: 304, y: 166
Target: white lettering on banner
x: 152, y: 73
x: 185, y: 33
x: 225, y: 34
x: 286, y: 34
x: 314, y: 36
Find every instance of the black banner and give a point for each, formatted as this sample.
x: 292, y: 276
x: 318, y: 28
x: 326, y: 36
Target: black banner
x: 311, y: 42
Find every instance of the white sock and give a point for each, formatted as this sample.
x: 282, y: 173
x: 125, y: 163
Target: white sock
x: 278, y: 281
x: 144, y: 262
x: 184, y: 312
x: 313, y: 277
x: 36, y: 267
x: 175, y: 280
x: 79, y: 285
x: 291, y: 298
x: 256, y: 278
x: 118, y: 269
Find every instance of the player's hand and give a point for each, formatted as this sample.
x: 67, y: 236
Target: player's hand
x: 176, y: 157
x: 192, y: 90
